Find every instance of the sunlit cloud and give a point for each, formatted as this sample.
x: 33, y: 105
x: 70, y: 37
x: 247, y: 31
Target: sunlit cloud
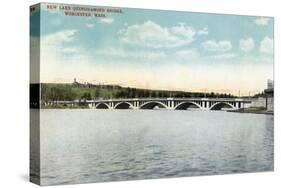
x: 223, y: 56
x: 89, y: 25
x: 159, y: 53
x: 217, y: 46
x: 106, y: 20
x: 150, y: 34
x: 247, y: 44
x: 266, y: 45
x: 262, y: 21
x: 204, y: 31
x: 58, y: 38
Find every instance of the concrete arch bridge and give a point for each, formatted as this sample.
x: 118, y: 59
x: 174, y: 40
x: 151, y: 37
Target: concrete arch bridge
x: 170, y: 103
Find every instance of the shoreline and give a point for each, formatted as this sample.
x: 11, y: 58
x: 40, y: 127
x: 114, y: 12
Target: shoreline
x: 252, y: 111
x: 242, y: 111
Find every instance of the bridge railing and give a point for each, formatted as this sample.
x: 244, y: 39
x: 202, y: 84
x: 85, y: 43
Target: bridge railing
x: 171, y: 99
x: 157, y: 99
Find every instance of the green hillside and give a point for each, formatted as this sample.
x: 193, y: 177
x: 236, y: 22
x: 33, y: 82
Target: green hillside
x: 58, y: 92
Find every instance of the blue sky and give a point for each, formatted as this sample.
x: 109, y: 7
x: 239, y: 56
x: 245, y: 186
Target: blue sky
x: 158, y: 50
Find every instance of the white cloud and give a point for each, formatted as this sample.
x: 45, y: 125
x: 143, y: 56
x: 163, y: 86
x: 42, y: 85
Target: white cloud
x: 89, y: 25
x: 107, y: 20
x: 203, y: 31
x: 222, y: 56
x: 266, y: 46
x: 150, y: 34
x: 183, y: 31
x: 247, y: 45
x: 261, y: 21
x: 187, y: 54
x: 217, y: 46
x: 184, y: 74
x: 59, y: 43
x: 59, y: 37
x: 70, y: 50
x: 58, y: 50
x: 120, y: 53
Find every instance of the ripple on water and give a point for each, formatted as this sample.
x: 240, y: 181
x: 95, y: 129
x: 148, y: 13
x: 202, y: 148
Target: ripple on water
x: 125, y: 145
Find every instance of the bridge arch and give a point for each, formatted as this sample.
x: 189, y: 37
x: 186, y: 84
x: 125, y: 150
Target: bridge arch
x: 220, y: 105
x: 102, y: 106
x: 123, y: 105
x: 152, y: 105
x: 186, y: 105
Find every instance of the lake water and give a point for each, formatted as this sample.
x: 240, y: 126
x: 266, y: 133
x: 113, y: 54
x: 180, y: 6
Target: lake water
x: 80, y: 146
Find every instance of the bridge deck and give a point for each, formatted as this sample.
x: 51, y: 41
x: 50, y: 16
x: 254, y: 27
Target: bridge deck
x: 160, y: 99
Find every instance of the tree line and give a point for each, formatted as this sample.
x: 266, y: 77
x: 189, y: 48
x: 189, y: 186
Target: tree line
x: 66, y: 92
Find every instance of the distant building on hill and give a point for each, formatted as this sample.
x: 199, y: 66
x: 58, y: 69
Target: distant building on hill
x: 76, y: 84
